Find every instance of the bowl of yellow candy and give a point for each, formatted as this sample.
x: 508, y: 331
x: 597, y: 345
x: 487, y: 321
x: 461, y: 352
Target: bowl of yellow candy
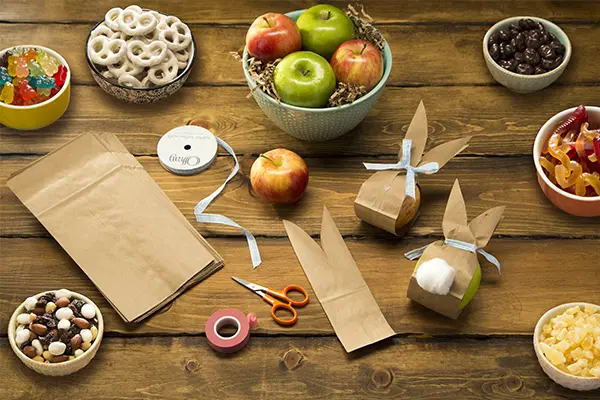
x: 567, y: 344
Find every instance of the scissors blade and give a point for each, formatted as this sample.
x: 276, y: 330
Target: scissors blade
x: 249, y: 285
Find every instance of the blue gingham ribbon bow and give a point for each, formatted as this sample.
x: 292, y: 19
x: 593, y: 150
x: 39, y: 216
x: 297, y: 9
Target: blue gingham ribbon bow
x: 404, y: 163
x: 459, y: 244
x: 221, y: 219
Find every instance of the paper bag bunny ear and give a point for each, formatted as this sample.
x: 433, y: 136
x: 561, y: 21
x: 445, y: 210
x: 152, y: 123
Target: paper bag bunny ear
x: 455, y: 223
x: 484, y: 225
x: 417, y: 132
x: 445, y: 152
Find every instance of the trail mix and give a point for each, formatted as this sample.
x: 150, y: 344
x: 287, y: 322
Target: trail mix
x: 56, y: 328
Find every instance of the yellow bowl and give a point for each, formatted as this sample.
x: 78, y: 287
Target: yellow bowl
x: 38, y: 115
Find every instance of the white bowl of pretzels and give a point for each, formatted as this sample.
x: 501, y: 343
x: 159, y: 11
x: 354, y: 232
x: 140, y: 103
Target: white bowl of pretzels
x: 140, y: 55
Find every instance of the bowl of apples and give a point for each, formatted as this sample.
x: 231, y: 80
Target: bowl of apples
x: 316, y: 73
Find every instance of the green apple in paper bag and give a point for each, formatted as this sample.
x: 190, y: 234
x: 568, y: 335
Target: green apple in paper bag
x: 324, y: 28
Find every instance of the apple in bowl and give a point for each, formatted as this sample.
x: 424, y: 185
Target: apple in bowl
x: 279, y: 176
x: 323, y: 28
x: 358, y: 62
x: 272, y: 36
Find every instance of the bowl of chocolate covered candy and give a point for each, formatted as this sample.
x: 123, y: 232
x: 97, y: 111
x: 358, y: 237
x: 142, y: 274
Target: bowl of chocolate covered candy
x: 526, y: 54
x: 56, y: 332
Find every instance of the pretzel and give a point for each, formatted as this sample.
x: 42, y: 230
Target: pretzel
x: 111, y: 16
x: 135, y: 8
x: 107, y: 74
x: 147, y: 83
x: 167, y: 21
x: 146, y: 55
x: 182, y: 57
x: 124, y: 66
x: 177, y: 37
x: 105, y: 51
x: 102, y: 30
x: 129, y: 81
x: 166, y: 71
x: 133, y: 23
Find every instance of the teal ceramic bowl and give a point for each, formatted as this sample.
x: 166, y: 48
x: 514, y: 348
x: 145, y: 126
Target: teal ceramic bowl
x: 318, y: 124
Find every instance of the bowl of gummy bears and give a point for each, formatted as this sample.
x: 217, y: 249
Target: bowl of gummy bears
x: 35, y: 87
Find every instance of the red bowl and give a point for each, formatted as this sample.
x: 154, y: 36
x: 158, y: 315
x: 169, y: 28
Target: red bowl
x: 575, y: 205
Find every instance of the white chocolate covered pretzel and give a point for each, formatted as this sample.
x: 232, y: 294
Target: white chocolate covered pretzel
x: 146, y: 55
x: 133, y: 23
x: 177, y: 37
x: 130, y: 81
x: 166, y: 71
x: 124, y: 67
x: 167, y: 22
x: 106, y: 51
x: 110, y: 19
x: 182, y: 57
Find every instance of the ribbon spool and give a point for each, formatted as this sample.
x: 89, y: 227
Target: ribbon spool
x: 226, y: 317
x: 187, y: 150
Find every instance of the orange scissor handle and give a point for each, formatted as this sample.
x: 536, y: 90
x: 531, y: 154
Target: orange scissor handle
x: 283, y: 295
x: 278, y: 305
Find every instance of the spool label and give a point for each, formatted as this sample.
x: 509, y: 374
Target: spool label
x: 187, y: 150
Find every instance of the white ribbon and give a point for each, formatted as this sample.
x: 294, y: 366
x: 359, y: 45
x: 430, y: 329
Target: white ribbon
x: 221, y: 219
x: 404, y: 163
x: 459, y: 244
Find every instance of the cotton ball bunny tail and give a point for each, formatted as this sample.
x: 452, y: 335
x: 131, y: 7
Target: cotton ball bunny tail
x: 436, y: 276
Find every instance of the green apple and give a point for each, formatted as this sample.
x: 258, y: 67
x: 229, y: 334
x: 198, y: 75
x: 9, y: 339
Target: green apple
x: 304, y: 79
x: 323, y: 28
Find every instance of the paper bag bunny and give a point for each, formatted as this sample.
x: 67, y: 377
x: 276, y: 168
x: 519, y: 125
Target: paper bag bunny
x: 389, y: 199
x: 452, y: 263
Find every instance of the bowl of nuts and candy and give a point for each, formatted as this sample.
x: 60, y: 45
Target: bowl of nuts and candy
x: 35, y: 87
x: 139, y: 55
x: 57, y: 332
x: 567, y: 344
x: 566, y: 153
x: 526, y: 54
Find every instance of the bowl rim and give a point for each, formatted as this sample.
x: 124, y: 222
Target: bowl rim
x: 550, y: 24
x: 12, y: 327
x: 541, y: 136
x: 538, y: 329
x: 95, y: 71
x: 60, y: 92
x: 387, y: 69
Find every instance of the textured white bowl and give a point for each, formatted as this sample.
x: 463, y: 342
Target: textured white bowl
x: 63, y: 368
x: 562, y: 378
x: 525, y: 83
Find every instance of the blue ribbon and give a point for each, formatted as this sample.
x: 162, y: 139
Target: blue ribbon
x: 459, y: 244
x: 404, y: 163
x: 221, y: 219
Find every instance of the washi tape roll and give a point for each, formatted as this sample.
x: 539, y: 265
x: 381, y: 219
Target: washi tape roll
x: 187, y: 150
x: 225, y: 317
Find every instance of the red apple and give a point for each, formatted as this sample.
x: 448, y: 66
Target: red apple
x: 358, y: 62
x: 279, y: 176
x: 272, y: 36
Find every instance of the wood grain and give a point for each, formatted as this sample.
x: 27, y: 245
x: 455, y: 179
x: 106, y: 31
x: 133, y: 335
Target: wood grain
x: 536, y: 276
x: 389, y: 11
x: 422, y: 54
x: 296, y: 368
x: 334, y: 182
x: 500, y: 122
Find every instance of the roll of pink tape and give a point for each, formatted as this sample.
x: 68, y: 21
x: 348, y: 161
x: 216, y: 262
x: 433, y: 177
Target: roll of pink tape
x: 253, y: 320
x: 225, y: 317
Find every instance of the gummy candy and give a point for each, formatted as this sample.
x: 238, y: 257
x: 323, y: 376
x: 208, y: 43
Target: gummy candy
x: 43, y: 82
x: 54, y: 91
x: 27, y: 92
x: 21, y: 67
x: 12, y: 66
x: 48, y: 63
x: 4, y: 76
x: 30, y: 54
x: 35, y: 69
x: 61, y: 76
x: 44, y: 91
x: 8, y: 93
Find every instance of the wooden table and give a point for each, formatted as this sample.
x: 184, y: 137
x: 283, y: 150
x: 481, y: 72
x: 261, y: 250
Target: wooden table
x: 548, y: 256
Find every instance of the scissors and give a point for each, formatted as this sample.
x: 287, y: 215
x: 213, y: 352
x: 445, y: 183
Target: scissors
x: 286, y: 303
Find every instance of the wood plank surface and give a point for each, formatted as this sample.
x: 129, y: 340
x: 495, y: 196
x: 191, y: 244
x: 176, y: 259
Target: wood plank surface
x: 390, y: 11
x: 500, y: 122
x: 418, y: 51
x: 536, y: 276
x: 296, y: 368
x: 335, y: 182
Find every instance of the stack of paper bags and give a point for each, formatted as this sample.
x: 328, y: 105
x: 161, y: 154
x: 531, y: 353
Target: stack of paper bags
x: 122, y: 230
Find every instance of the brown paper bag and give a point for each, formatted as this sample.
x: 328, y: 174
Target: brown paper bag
x: 339, y: 285
x: 382, y: 201
x: 116, y: 223
x: 455, y: 227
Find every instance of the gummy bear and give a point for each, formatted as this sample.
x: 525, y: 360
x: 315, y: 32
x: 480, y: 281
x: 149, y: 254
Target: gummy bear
x: 27, y: 92
x: 48, y: 63
x: 54, y: 91
x: 61, y: 76
x: 40, y: 98
x: 4, y: 59
x: 30, y: 54
x: 17, y: 101
x: 44, y: 91
x: 22, y: 68
x: 12, y: 66
x: 4, y: 76
x: 35, y: 69
x: 43, y: 82
x: 8, y: 93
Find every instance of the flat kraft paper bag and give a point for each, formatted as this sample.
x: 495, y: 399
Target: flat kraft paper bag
x: 455, y: 226
x: 382, y: 201
x: 339, y: 285
x: 116, y: 223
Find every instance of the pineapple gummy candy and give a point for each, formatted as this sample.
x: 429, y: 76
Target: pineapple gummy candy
x: 8, y: 93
